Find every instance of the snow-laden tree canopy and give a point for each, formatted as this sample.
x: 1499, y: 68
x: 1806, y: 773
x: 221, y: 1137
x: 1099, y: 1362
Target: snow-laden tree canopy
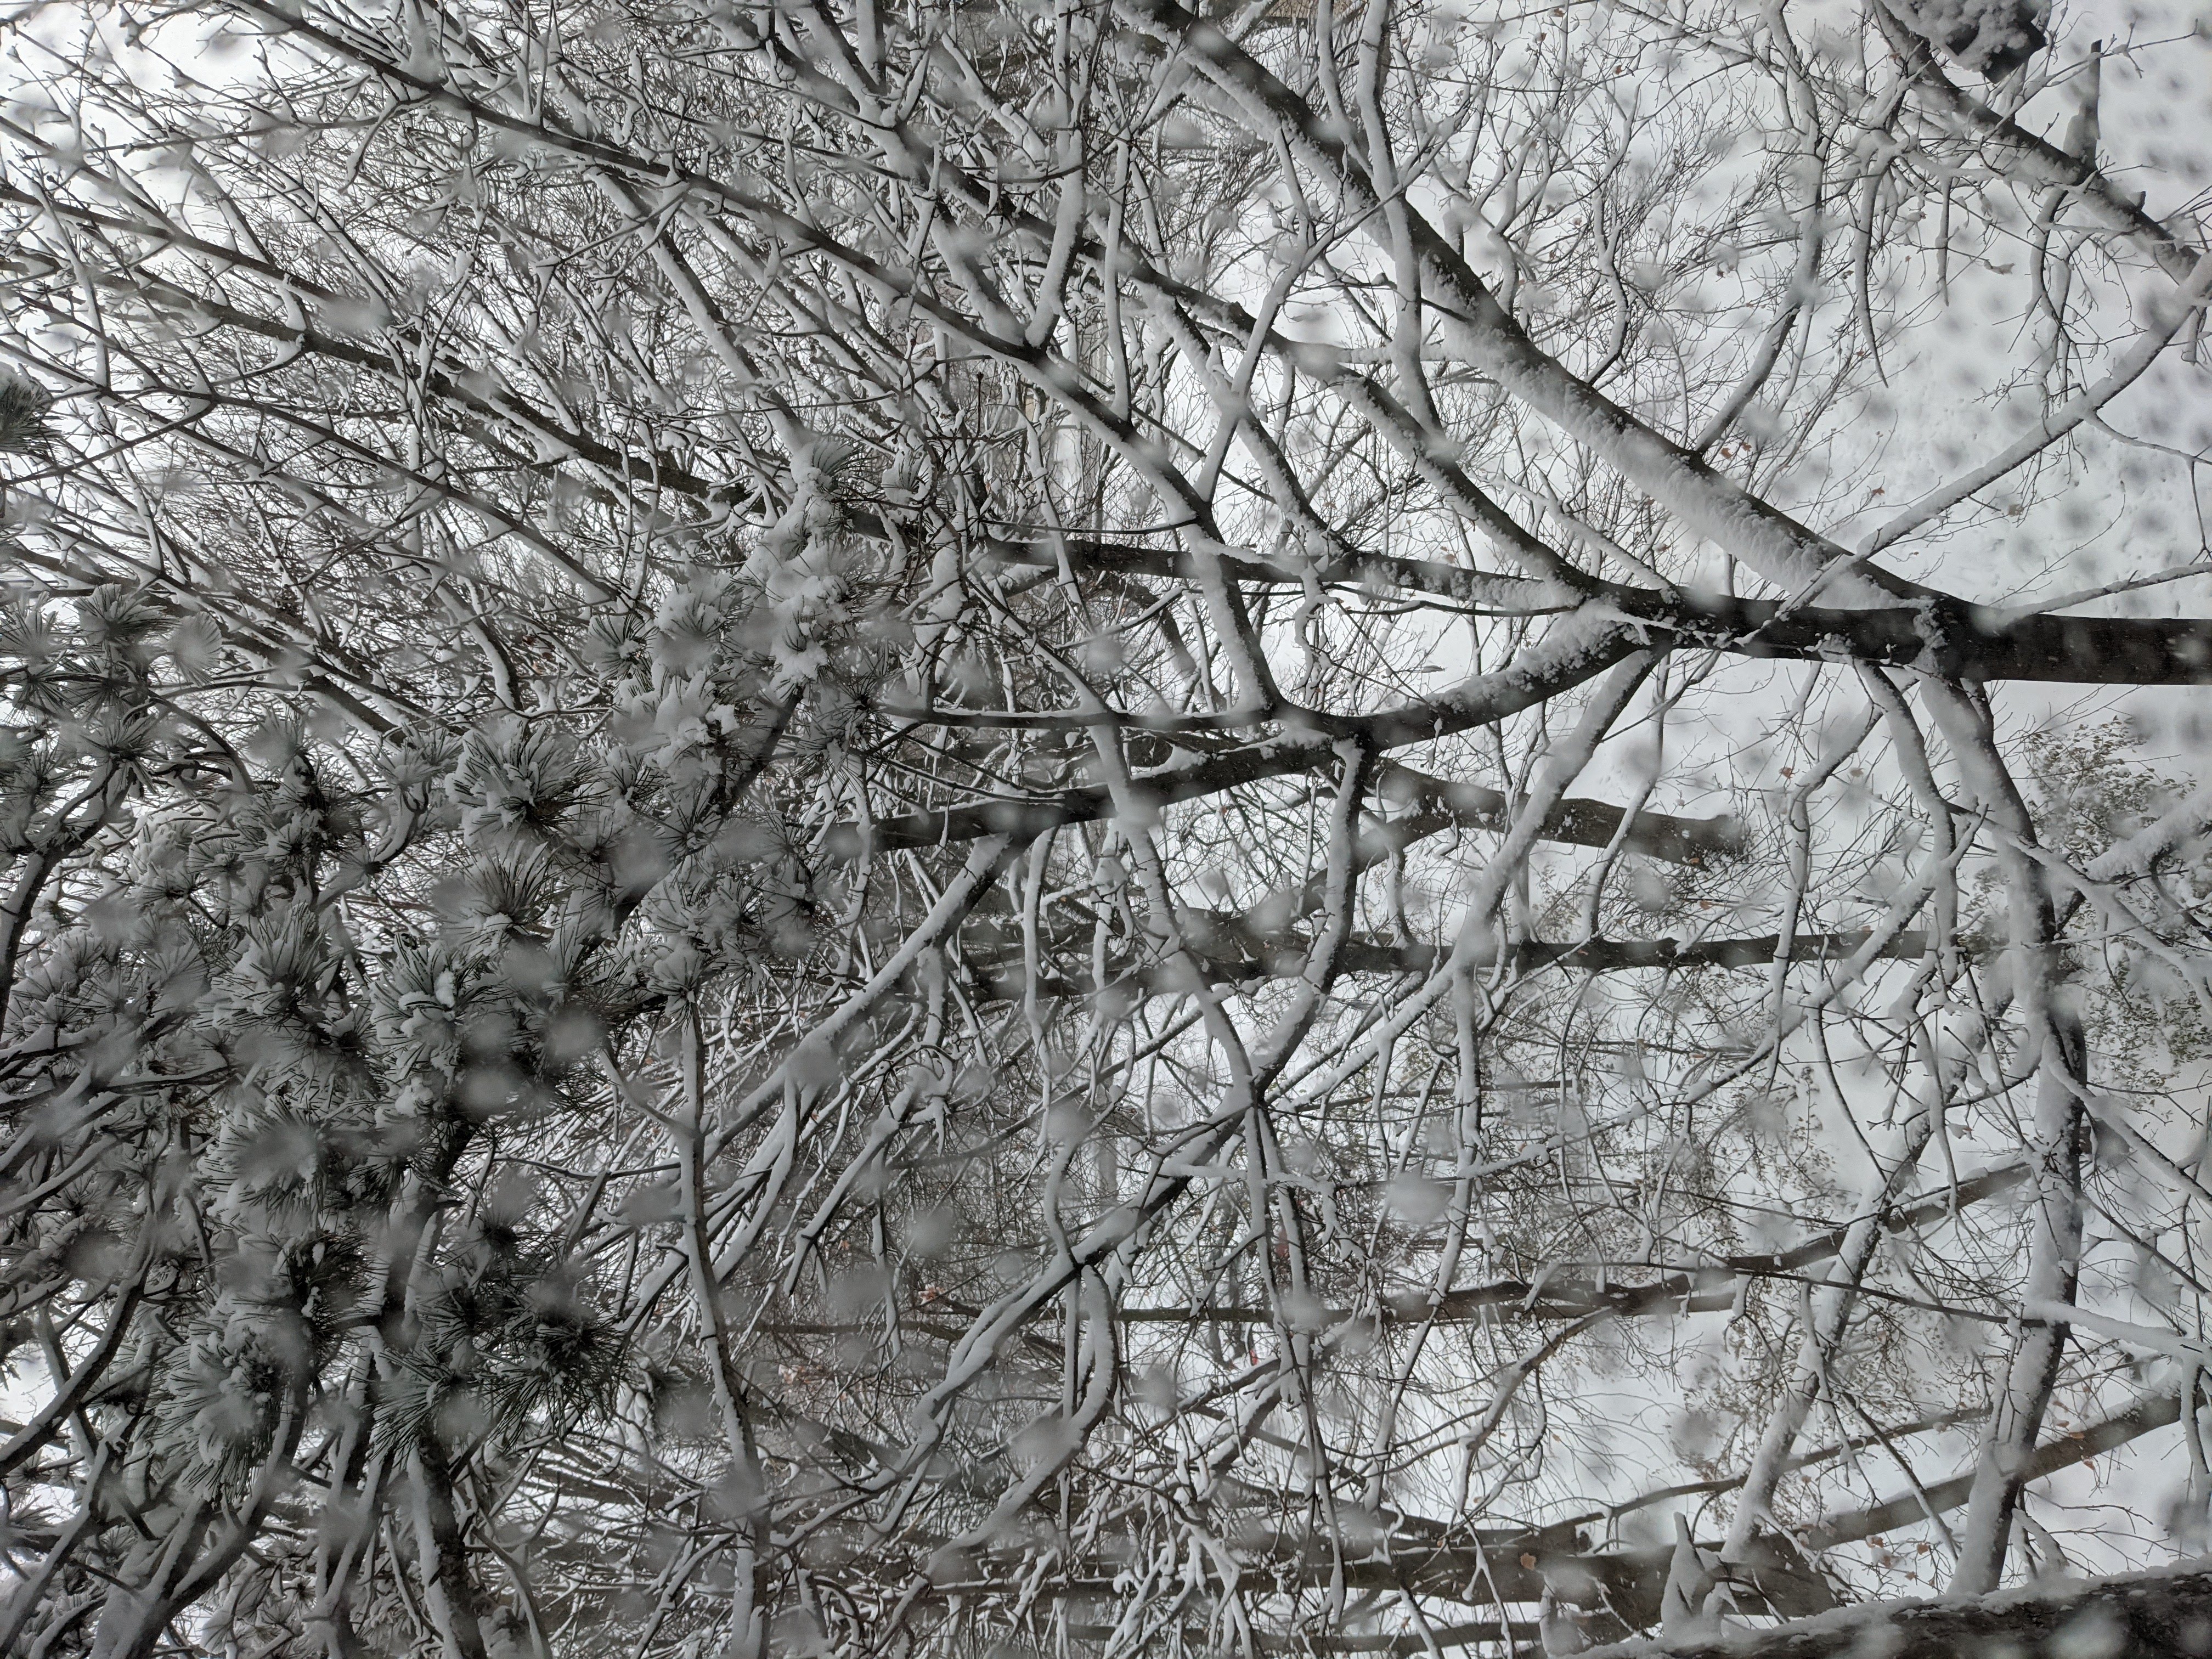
x: 1068, y: 827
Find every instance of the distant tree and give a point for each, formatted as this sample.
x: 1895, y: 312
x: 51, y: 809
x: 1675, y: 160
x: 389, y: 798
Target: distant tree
x: 1080, y: 828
